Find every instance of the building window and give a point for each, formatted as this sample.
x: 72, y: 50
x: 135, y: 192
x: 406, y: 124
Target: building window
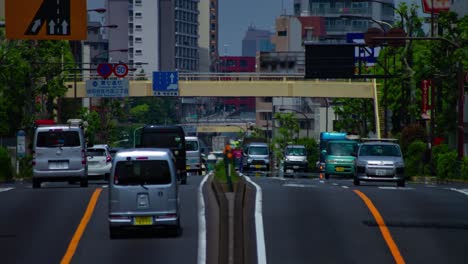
x: 138, y: 2
x: 138, y: 14
x: 138, y: 27
x: 138, y: 39
x: 138, y: 52
x: 283, y: 33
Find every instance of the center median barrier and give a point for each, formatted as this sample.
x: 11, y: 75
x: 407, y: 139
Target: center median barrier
x: 231, y: 234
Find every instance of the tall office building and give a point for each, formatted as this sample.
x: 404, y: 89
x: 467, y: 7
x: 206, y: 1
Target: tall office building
x: 159, y: 35
x: 208, y: 40
x: 256, y: 40
x: 336, y: 26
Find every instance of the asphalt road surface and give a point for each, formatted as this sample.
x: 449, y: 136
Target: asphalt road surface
x: 332, y: 221
x: 41, y: 226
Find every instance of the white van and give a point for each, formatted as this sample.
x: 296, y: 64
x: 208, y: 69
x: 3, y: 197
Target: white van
x: 193, y: 155
x: 59, y: 154
x: 143, y: 191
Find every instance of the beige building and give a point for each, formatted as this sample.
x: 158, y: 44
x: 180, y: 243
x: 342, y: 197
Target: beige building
x: 208, y: 35
x: 2, y: 9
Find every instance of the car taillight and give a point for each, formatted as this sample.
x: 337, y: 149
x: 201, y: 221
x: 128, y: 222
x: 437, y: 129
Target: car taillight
x: 166, y: 216
x: 83, y: 157
x: 108, y: 158
x: 34, y: 158
x: 116, y: 178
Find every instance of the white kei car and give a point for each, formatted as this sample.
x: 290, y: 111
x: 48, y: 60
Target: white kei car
x: 99, y: 161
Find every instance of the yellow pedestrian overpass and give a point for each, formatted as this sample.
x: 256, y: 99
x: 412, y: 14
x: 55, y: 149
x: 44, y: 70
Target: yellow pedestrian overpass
x: 248, y: 85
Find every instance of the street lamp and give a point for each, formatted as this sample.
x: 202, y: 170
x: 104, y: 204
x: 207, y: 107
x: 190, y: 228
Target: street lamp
x: 381, y: 24
x: 385, y: 4
x: 97, y: 10
x: 244, y: 131
x: 103, y: 26
x: 378, y: 22
x: 297, y: 111
x: 107, y: 52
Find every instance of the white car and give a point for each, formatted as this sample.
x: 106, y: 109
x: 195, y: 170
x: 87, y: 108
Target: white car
x: 99, y: 161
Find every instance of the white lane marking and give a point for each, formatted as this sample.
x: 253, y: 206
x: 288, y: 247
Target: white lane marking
x: 335, y: 184
x: 464, y: 191
x: 201, y: 223
x: 395, y: 188
x: 345, y: 187
x: 6, y: 189
x: 261, y: 252
x: 105, y: 186
x: 321, y: 181
x: 298, y: 185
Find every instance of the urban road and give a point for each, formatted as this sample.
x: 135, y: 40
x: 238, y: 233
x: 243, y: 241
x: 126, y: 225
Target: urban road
x: 305, y: 220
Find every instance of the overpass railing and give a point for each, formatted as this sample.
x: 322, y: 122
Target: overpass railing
x: 200, y: 76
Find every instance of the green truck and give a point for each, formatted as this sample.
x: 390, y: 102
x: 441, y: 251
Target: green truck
x: 339, y: 156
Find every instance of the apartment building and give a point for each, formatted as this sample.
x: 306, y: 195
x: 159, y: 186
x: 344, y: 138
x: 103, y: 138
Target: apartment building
x: 332, y: 10
x: 158, y: 35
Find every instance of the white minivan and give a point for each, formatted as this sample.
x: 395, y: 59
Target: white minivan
x: 193, y: 155
x: 143, y: 191
x: 59, y: 154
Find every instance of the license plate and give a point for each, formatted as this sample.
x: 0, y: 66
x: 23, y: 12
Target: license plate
x: 60, y: 165
x: 289, y: 171
x: 380, y: 172
x: 143, y: 220
x: 339, y: 169
x: 295, y: 167
x: 258, y: 166
x: 187, y: 167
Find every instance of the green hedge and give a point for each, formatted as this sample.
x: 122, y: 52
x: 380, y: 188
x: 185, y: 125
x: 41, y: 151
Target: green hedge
x: 414, y: 158
x: 6, y: 169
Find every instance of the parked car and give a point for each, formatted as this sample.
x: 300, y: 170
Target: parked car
x: 295, y: 159
x: 380, y: 161
x: 99, y: 161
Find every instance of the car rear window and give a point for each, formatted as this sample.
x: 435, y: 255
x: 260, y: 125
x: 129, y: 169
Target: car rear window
x: 341, y: 149
x: 295, y: 151
x: 95, y: 152
x: 145, y: 172
x: 380, y: 150
x: 253, y: 150
x: 51, y: 139
x: 162, y: 140
x: 191, y: 145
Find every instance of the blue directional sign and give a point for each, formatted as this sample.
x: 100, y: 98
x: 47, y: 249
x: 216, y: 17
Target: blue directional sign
x: 166, y: 83
x: 367, y: 54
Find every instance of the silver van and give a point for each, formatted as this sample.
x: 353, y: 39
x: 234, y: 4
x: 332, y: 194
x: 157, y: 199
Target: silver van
x: 193, y: 155
x: 295, y: 159
x: 143, y: 191
x: 59, y: 154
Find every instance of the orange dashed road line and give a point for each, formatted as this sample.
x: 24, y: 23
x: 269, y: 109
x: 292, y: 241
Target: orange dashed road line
x: 383, y: 228
x: 81, y: 227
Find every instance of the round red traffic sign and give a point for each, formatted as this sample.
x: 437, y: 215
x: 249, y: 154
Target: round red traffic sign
x: 121, y: 70
x: 104, y: 70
